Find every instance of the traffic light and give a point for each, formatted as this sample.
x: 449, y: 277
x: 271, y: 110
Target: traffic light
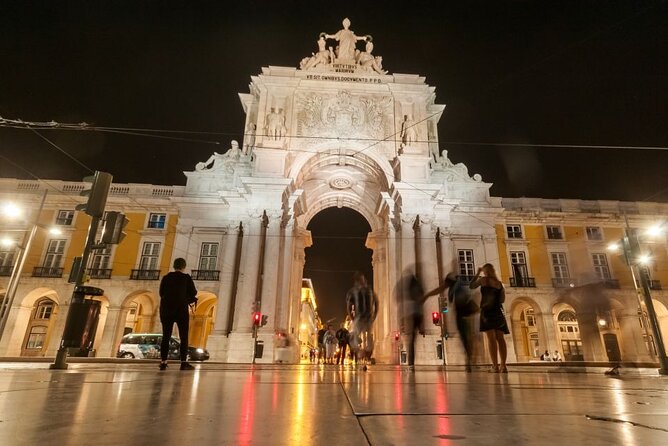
x: 436, y: 318
x: 396, y: 335
x: 112, y: 233
x: 257, y: 319
x: 97, y: 194
x: 265, y: 318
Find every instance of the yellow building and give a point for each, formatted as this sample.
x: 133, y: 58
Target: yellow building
x: 568, y: 286
x: 128, y: 273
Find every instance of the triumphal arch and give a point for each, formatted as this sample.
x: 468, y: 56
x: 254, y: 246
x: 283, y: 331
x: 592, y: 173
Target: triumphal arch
x: 339, y: 131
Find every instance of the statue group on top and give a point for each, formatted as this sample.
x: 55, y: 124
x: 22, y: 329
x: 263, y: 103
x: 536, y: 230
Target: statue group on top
x: 345, y: 52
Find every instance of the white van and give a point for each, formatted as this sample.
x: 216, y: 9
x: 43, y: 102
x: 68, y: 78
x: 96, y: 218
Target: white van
x: 147, y: 346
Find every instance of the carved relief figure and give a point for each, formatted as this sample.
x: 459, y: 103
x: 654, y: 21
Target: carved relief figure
x: 272, y: 123
x: 345, y: 51
x: 322, y: 57
x: 368, y: 62
x: 250, y: 140
x: 408, y: 130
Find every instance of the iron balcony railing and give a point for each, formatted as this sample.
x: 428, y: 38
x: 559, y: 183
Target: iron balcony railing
x: 6, y: 270
x: 47, y: 271
x: 99, y: 273
x: 145, y: 274
x: 205, y: 274
x: 611, y: 283
x: 653, y: 284
x: 563, y: 282
x: 523, y: 282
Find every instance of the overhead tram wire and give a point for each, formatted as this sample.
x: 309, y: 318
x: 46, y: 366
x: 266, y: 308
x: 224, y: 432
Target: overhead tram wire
x: 146, y: 132
x: 84, y: 126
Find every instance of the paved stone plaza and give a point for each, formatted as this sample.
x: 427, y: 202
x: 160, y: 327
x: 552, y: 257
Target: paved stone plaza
x: 135, y: 404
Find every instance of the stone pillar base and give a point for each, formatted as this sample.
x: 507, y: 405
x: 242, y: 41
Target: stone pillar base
x: 217, y: 345
x: 425, y: 350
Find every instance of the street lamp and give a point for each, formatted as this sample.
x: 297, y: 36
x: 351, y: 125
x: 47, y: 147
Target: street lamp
x: 637, y: 261
x: 12, y: 211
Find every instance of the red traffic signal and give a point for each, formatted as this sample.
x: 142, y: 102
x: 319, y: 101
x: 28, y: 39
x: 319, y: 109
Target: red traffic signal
x: 436, y: 318
x: 257, y: 318
x: 396, y: 335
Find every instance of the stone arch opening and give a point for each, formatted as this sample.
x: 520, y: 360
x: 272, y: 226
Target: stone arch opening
x: 528, y: 337
x: 568, y: 332
x: 140, y: 309
x: 339, y: 249
x: 40, y: 327
x: 202, y: 320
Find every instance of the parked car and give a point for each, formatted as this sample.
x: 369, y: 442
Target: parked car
x: 147, y: 346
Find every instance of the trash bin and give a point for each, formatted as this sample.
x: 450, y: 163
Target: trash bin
x: 81, y: 326
x: 259, y: 349
x: 404, y: 357
x: 439, y: 349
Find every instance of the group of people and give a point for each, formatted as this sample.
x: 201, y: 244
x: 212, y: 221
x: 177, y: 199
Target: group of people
x: 361, y: 312
x: 556, y: 356
x: 491, y: 314
x: 332, y: 345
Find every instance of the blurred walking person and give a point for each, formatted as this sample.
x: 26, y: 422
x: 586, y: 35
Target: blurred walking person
x: 492, y: 317
x: 412, y: 301
x: 362, y: 308
x: 177, y: 292
x: 459, y: 296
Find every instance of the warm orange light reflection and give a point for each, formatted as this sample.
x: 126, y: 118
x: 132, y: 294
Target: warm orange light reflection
x: 245, y: 435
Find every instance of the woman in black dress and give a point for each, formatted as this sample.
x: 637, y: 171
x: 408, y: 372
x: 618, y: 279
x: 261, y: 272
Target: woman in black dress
x: 492, y: 316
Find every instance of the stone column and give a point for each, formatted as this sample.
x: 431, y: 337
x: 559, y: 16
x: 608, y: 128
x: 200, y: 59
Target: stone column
x: 113, y: 331
x: 270, y: 284
x: 426, y: 345
x: 226, y: 278
x: 240, y: 343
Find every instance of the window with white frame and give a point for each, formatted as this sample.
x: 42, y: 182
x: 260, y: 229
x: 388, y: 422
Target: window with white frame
x: 36, y: 337
x: 102, y: 258
x: 65, y: 218
x: 6, y: 256
x: 208, y: 259
x: 554, y: 233
x: 594, y: 233
x: 157, y: 221
x: 44, y: 309
x: 518, y: 261
x: 466, y: 262
x: 149, y: 256
x: 514, y: 231
x: 600, y: 261
x: 54, y: 253
x: 559, y: 265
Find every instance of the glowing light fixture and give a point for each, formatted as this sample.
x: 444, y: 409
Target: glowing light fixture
x: 11, y: 210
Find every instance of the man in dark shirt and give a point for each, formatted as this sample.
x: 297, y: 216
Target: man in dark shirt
x: 177, y: 291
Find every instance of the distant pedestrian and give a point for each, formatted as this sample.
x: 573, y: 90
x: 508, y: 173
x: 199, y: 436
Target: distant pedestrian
x: 362, y: 307
x: 545, y: 356
x: 177, y: 292
x: 342, y: 336
x: 330, y: 344
x: 492, y: 317
x: 556, y: 356
x: 459, y: 296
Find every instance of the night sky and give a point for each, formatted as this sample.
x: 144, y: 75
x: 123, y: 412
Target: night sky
x: 512, y: 72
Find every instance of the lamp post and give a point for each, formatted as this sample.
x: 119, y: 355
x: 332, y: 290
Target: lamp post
x: 23, y: 249
x: 635, y: 258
